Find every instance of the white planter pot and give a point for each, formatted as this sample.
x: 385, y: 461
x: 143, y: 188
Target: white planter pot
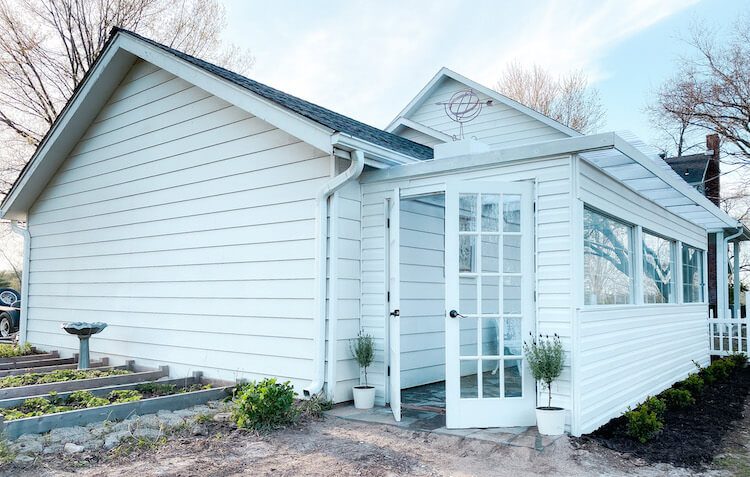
x: 364, y: 397
x: 550, y: 421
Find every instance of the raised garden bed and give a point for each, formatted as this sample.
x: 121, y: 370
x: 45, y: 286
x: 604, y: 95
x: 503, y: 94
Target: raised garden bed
x: 125, y: 376
x: 10, y: 351
x: 154, y: 396
x: 46, y: 367
x: 691, y: 436
x: 12, y: 361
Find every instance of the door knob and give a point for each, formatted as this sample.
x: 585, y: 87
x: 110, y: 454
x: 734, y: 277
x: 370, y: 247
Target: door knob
x: 455, y: 314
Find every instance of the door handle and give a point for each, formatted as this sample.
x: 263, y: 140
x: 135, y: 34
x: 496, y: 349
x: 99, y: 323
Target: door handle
x: 455, y: 314
x: 396, y: 313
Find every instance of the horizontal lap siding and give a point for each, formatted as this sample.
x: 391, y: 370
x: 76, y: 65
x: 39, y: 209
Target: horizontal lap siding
x: 629, y: 353
x: 422, y: 293
x: 188, y: 226
x: 497, y: 125
x: 553, y: 261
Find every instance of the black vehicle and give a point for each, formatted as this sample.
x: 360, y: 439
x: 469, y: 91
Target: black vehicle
x: 10, y: 311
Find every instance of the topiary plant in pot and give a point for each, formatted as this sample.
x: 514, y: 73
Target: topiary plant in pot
x: 363, y: 350
x: 546, y: 358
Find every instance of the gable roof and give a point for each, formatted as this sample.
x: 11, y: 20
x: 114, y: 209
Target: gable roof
x: 311, y: 123
x: 444, y: 72
x: 692, y: 168
x: 326, y: 117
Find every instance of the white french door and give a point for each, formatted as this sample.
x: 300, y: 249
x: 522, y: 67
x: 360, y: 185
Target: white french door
x: 394, y: 304
x: 489, y: 304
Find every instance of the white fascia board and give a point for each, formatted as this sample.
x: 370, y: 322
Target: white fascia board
x: 402, y: 123
x: 298, y: 126
x: 679, y: 185
x: 556, y: 147
x: 448, y: 73
x: 73, y: 120
x: 375, y: 156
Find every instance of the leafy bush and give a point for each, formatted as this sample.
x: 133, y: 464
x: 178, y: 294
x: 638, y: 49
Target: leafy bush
x: 264, y: 405
x: 546, y: 358
x: 677, y: 398
x: 655, y: 405
x: 739, y: 359
x: 643, y: 424
x: 693, y: 383
x: 12, y: 350
x: 363, y: 350
x: 722, y: 369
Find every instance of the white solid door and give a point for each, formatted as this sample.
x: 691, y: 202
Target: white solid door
x: 490, y: 304
x: 394, y: 304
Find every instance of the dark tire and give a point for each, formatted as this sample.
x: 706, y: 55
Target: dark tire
x: 6, y: 325
x: 8, y: 296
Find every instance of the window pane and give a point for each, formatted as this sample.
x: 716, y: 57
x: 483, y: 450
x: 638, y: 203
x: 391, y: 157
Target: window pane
x: 467, y: 212
x: 490, y: 212
x: 657, y: 270
x: 512, y: 213
x: 607, y: 260
x: 692, y: 275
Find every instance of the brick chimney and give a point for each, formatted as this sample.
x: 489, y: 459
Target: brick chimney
x: 713, y: 183
x: 712, y: 190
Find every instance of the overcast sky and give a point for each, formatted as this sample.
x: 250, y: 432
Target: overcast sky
x: 367, y: 59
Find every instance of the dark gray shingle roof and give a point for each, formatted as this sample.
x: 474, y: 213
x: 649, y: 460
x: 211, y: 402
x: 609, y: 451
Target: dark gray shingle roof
x: 319, y: 114
x: 692, y: 167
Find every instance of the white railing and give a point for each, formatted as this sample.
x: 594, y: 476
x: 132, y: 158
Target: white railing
x: 728, y: 335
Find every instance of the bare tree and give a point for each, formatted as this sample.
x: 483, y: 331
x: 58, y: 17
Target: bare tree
x: 710, y: 91
x: 565, y: 98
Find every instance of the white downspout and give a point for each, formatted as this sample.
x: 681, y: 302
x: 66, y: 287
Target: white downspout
x: 25, y: 273
x: 319, y: 360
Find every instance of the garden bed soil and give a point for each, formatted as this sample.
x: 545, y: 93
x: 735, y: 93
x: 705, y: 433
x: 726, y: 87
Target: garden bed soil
x: 691, y: 437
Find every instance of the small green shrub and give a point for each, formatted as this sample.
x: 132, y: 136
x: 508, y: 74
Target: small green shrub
x: 739, y: 359
x: 643, y: 424
x: 655, y: 405
x: 363, y: 351
x: 546, y: 359
x: 722, y: 369
x: 264, y: 405
x: 677, y: 398
x: 11, y: 350
x: 693, y: 383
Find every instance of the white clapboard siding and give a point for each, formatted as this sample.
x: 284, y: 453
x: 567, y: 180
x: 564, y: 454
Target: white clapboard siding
x: 422, y: 293
x: 497, y: 125
x: 188, y: 225
x: 628, y: 353
x: 419, y: 137
x: 553, y: 307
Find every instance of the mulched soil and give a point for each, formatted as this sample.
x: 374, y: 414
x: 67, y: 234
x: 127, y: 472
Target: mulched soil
x: 691, y: 437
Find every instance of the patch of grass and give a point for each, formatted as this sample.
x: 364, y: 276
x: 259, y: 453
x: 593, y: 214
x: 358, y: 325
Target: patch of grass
x: 6, y: 455
x: 12, y: 350
x: 738, y: 466
x: 315, y: 406
x: 133, y: 444
x: 203, y: 418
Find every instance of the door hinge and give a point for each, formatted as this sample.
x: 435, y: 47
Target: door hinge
x: 388, y: 296
x: 388, y: 223
x: 389, y: 370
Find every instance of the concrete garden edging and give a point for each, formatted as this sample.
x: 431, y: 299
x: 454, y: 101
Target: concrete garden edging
x: 112, y: 412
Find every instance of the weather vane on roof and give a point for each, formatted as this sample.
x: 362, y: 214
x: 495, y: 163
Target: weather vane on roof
x: 462, y: 107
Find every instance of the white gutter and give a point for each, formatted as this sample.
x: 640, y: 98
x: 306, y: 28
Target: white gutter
x: 25, y: 273
x: 351, y: 173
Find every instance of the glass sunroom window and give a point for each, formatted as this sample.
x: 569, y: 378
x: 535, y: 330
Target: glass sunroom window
x: 658, y: 286
x: 607, y: 255
x: 692, y: 274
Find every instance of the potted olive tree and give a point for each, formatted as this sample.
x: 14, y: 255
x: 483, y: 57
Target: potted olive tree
x: 363, y: 350
x: 546, y: 358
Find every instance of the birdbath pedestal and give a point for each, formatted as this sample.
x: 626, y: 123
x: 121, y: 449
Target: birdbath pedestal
x: 83, y: 331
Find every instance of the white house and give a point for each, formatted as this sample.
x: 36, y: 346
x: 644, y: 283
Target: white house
x: 218, y: 224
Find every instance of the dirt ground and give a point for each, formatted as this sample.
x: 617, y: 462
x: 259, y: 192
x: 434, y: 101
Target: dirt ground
x: 337, y: 447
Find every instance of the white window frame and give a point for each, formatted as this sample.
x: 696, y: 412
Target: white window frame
x: 673, y: 260
x: 704, y: 282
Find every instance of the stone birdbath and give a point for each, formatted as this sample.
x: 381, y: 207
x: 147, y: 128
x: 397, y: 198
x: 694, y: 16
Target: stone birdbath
x: 84, y: 331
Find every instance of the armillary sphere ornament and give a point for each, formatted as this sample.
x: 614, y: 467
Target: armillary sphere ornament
x: 462, y: 107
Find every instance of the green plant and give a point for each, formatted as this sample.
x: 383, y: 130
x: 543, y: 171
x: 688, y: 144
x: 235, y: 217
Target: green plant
x: 84, y: 399
x: 739, y: 359
x: 722, y: 369
x: 693, y: 383
x: 677, y: 398
x: 315, y: 406
x: 264, y: 405
x: 643, y: 424
x: 363, y: 350
x: 11, y: 350
x: 6, y: 455
x: 57, y: 376
x: 203, y: 418
x: 124, y: 395
x: 546, y: 359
